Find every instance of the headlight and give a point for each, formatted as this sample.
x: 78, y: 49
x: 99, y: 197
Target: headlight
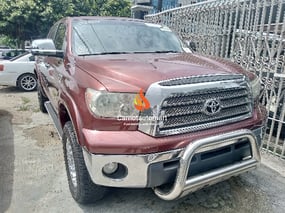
x: 255, y: 87
x: 105, y: 104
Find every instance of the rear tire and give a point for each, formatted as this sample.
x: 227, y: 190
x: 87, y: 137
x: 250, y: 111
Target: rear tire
x: 82, y: 188
x: 42, y: 99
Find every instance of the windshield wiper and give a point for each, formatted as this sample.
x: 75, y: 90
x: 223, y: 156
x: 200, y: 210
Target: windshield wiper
x: 104, y: 53
x: 107, y: 53
x: 160, y: 51
x: 137, y: 52
x: 167, y: 51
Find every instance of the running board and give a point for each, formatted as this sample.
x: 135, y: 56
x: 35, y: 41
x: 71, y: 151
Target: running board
x: 54, y: 117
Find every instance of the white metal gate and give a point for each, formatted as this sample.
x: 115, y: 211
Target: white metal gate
x: 249, y: 32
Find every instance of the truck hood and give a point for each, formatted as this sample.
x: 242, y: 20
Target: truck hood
x: 132, y: 72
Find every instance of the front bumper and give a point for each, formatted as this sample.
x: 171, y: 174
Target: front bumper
x: 137, y: 166
x: 126, y: 142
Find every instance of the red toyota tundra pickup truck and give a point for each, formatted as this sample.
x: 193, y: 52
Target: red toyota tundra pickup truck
x: 136, y: 108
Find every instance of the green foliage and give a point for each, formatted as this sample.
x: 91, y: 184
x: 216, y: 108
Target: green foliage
x: 6, y: 40
x: 29, y: 19
x: 116, y: 8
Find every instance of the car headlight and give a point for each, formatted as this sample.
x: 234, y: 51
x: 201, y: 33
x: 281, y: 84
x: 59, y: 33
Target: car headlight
x: 106, y: 104
x: 255, y: 87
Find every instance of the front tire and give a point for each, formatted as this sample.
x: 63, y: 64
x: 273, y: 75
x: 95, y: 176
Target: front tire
x: 82, y: 188
x: 27, y: 82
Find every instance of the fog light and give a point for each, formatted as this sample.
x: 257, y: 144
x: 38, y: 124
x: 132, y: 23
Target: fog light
x: 110, y: 168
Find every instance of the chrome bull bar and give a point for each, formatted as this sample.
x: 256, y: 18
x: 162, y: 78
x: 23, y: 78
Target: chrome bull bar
x: 183, y: 186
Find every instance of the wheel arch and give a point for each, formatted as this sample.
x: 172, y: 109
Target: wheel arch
x: 67, y: 111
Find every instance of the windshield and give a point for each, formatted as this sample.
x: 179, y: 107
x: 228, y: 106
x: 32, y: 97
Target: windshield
x: 111, y: 37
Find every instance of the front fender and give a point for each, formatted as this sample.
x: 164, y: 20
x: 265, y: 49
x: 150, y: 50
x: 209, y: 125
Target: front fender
x: 68, y: 110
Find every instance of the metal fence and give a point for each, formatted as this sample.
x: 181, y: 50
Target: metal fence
x: 248, y: 32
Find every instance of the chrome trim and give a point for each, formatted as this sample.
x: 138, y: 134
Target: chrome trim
x: 183, y: 186
x: 212, y: 106
x: 137, y: 165
x: 199, y: 79
x: 207, y: 125
x: 156, y: 94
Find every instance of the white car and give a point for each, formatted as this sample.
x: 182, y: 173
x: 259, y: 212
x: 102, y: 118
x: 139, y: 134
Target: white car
x: 19, y: 72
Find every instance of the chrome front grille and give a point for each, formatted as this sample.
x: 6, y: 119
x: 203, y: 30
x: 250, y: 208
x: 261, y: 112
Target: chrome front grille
x: 200, y: 96
x: 198, y: 79
x: 186, y: 110
x: 221, y: 100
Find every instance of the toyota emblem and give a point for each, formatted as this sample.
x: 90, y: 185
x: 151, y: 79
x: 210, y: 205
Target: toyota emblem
x: 212, y: 107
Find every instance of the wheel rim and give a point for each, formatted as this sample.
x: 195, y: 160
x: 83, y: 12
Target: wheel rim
x: 70, y: 163
x: 28, y: 82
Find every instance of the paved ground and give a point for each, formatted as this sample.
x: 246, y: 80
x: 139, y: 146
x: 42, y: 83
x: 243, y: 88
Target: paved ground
x: 33, y: 179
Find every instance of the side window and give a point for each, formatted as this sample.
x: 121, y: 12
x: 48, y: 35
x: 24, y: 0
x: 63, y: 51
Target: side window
x: 59, y: 40
x: 52, y: 31
x: 32, y: 58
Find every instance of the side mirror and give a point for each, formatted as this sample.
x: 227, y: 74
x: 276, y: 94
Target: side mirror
x: 191, y: 45
x: 49, y: 53
x: 46, y: 47
x: 45, y: 44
